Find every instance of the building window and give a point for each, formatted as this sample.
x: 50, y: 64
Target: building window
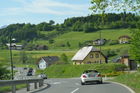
x: 97, y: 55
x: 88, y: 62
x: 91, y: 55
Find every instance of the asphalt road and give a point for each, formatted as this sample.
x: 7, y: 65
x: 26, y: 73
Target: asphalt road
x: 74, y: 86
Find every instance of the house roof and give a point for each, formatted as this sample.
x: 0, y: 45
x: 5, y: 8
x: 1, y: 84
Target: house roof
x: 99, y: 40
x: 13, y: 44
x: 50, y: 59
x: 124, y: 36
x: 82, y: 53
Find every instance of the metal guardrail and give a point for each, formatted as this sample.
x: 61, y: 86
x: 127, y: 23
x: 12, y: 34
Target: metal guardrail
x: 13, y: 83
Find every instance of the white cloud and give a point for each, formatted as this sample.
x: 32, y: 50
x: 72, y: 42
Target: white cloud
x: 49, y: 7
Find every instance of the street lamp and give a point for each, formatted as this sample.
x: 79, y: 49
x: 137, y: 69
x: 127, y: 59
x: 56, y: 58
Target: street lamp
x: 11, y: 59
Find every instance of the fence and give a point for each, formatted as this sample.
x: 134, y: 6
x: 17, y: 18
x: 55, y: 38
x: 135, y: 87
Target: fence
x: 13, y: 83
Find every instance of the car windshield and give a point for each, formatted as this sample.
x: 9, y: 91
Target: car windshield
x: 90, y: 71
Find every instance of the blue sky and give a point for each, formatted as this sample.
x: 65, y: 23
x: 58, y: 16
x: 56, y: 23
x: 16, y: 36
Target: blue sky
x: 37, y: 11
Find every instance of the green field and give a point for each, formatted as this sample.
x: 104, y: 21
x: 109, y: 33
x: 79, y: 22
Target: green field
x: 75, y: 37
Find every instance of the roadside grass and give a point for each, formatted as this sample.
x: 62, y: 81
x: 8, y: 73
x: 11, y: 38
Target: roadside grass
x: 130, y: 79
x: 9, y: 88
x: 68, y: 71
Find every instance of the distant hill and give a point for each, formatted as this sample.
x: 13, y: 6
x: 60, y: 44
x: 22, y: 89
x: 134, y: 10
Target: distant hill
x: 72, y: 34
x: 76, y: 38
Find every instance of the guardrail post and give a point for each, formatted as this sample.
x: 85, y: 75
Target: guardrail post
x: 13, y: 88
x: 39, y: 84
x: 35, y: 85
x: 28, y: 86
x: 42, y: 82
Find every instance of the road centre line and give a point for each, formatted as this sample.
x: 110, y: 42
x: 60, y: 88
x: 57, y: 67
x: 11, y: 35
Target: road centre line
x: 75, y: 90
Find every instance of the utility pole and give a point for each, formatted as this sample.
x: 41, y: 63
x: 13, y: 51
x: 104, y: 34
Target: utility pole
x: 11, y: 59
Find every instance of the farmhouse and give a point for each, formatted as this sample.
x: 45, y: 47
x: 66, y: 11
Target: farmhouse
x: 44, y: 62
x: 89, y: 55
x: 124, y: 39
x: 14, y: 46
x: 125, y: 59
x: 99, y: 42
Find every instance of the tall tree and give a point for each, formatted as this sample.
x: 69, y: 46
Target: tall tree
x: 99, y: 6
x: 4, y: 72
x: 135, y: 45
x: 64, y: 58
x: 125, y: 6
x: 23, y: 57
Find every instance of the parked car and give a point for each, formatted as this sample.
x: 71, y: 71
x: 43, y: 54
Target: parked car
x: 30, y: 72
x: 25, y: 68
x: 43, y: 76
x: 90, y: 76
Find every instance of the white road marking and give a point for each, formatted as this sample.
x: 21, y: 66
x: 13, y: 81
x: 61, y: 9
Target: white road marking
x: 57, y: 83
x: 75, y: 90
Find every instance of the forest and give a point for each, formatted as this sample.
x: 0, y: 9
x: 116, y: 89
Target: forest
x: 28, y: 32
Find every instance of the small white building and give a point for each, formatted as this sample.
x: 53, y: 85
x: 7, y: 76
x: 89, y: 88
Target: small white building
x: 44, y: 62
x: 99, y: 42
x: 14, y: 46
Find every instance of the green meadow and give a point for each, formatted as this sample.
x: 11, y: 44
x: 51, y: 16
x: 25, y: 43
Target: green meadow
x: 75, y: 37
x: 55, y: 49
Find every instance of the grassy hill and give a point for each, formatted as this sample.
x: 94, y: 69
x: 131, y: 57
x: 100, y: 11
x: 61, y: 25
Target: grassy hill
x: 60, y: 42
x: 56, y: 49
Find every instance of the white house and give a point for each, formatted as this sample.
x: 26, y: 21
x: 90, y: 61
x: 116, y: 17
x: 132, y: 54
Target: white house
x: 44, y: 62
x: 14, y: 46
x: 89, y: 55
x: 99, y: 42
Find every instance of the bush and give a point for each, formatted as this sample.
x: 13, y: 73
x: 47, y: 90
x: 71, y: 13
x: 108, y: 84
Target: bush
x: 4, y: 73
x: 113, y: 42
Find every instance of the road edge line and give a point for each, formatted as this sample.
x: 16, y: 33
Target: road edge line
x: 131, y: 90
x: 74, y: 90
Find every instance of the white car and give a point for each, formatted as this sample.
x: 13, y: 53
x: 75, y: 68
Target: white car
x: 90, y: 76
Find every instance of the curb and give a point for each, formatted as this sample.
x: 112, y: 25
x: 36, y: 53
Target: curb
x: 132, y: 91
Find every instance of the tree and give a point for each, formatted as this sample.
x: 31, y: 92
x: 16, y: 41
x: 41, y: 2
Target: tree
x: 51, y: 41
x: 127, y: 5
x: 4, y: 73
x: 99, y: 6
x: 64, y: 58
x: 80, y: 44
x: 23, y: 57
x: 68, y: 44
x: 51, y: 22
x: 135, y: 45
x: 88, y: 27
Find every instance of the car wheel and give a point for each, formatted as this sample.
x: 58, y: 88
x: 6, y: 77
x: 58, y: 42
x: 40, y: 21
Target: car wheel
x: 82, y: 83
x: 100, y: 82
